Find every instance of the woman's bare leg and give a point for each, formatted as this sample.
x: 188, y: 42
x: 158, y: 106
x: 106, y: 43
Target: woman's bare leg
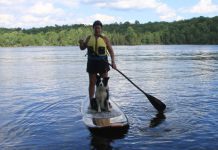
x: 92, y: 81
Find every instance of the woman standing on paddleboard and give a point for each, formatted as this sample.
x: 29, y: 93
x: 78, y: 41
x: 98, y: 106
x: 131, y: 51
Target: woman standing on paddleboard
x: 99, y: 47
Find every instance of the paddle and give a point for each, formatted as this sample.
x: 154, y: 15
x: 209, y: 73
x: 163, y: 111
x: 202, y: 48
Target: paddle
x: 160, y: 106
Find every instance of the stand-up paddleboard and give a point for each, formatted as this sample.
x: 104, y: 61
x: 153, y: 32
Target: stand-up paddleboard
x: 112, y: 122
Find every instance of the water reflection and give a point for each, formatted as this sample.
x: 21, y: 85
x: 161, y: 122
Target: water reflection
x: 157, y: 120
x: 100, y: 143
x: 103, y: 140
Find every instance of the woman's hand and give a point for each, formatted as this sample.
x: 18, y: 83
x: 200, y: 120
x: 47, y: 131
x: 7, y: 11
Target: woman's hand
x: 81, y: 42
x: 113, y: 65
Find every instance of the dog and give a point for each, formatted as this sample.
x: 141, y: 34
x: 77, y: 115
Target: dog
x: 102, y: 94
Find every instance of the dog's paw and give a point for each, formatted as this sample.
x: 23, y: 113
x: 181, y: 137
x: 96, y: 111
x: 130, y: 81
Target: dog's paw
x: 99, y: 109
x: 108, y: 110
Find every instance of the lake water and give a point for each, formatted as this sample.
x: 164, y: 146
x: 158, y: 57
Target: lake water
x: 41, y: 89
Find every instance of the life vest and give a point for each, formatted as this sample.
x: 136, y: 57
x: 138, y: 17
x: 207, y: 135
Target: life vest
x: 97, y: 47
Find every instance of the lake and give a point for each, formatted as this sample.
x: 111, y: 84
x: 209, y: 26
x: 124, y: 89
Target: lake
x: 41, y: 89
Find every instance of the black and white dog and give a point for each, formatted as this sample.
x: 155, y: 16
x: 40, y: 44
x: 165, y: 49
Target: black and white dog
x: 102, y: 94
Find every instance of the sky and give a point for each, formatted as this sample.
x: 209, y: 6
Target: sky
x: 41, y: 13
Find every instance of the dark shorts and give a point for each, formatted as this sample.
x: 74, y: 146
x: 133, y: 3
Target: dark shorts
x: 97, y: 66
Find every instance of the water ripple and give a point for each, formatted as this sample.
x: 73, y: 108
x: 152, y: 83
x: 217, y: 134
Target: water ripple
x: 42, y: 89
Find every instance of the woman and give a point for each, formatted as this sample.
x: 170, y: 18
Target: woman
x: 99, y: 47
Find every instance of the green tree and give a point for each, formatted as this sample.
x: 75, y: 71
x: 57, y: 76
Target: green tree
x: 131, y: 36
x: 201, y: 30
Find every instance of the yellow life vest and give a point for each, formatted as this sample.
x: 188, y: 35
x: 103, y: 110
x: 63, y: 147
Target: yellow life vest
x: 97, y: 47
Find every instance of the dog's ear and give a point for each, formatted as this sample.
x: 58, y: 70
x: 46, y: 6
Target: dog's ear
x: 98, y: 76
x: 98, y: 79
x: 105, y: 80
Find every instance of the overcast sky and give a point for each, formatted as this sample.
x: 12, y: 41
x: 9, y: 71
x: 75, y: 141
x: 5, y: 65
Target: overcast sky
x: 40, y: 13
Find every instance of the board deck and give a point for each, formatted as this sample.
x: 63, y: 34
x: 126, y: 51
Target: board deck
x: 114, y: 120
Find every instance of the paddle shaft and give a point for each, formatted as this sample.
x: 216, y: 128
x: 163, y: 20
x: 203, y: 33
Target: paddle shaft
x: 128, y: 79
x: 160, y: 106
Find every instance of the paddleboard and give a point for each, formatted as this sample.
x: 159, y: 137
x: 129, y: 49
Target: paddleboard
x: 114, y: 121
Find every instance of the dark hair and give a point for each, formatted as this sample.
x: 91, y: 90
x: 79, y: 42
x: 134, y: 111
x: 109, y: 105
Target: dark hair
x: 96, y: 23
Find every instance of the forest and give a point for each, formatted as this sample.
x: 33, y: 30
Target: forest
x: 200, y: 30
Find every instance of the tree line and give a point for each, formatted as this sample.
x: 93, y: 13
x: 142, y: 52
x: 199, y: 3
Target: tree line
x: 200, y: 30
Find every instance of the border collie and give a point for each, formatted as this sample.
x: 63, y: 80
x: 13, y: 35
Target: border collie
x: 102, y: 94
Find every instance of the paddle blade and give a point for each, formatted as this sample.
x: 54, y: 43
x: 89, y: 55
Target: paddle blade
x: 160, y: 106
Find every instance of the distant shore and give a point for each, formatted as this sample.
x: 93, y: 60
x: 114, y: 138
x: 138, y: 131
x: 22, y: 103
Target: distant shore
x: 201, y: 30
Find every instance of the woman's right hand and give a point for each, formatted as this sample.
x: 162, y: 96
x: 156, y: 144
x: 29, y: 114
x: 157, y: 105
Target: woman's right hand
x: 82, y: 44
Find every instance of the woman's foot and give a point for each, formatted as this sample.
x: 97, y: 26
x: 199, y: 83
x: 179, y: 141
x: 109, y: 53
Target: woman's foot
x: 93, y: 103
